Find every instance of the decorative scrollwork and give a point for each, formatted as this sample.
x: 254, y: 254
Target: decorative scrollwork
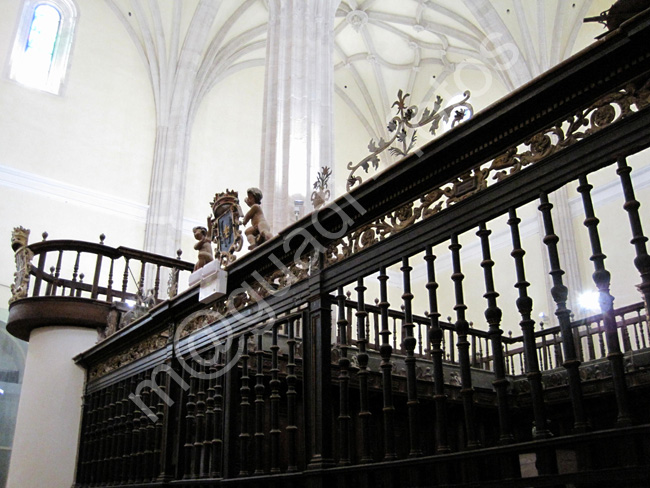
x: 23, y: 256
x: 608, y: 110
x: 402, y: 126
x: 139, y: 350
x: 321, y: 192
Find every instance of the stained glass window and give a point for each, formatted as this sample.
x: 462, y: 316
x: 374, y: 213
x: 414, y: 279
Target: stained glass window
x: 40, y: 45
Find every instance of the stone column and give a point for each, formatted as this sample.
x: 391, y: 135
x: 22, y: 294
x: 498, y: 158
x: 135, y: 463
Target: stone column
x: 297, y: 139
x: 45, y: 446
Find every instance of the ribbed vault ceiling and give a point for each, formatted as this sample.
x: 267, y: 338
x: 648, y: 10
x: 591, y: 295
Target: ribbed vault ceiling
x: 424, y: 47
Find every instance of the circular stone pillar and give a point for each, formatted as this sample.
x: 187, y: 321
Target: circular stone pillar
x: 46, y: 439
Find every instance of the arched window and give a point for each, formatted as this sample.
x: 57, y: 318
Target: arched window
x: 41, y: 51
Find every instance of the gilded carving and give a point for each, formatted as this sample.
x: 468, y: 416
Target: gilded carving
x: 608, y: 110
x: 140, y: 350
x: 23, y: 256
x: 402, y: 133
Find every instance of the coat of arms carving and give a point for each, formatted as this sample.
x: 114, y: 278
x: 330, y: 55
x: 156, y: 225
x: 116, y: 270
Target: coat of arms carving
x: 223, y: 226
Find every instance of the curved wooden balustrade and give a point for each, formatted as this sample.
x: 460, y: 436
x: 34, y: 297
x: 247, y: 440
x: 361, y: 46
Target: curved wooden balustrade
x: 91, y: 275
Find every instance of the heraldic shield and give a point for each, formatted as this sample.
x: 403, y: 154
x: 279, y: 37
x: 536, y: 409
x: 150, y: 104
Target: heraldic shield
x: 223, y: 227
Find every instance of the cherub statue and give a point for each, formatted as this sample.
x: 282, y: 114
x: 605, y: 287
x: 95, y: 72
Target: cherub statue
x: 259, y: 231
x: 203, y: 246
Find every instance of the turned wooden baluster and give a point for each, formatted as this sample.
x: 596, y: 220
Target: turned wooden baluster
x: 115, y: 453
x: 602, y: 280
x: 197, y: 451
x: 601, y: 342
x: 631, y: 206
x: 137, y: 440
x: 527, y: 324
x: 344, y: 382
x: 104, y: 437
x: 462, y: 328
x: 41, y: 266
x: 244, y: 405
x: 158, y: 433
x: 206, y: 458
x: 143, y: 457
x: 156, y: 286
x: 81, y: 282
x: 122, y: 408
x: 57, y: 271
x: 141, y: 289
x: 493, y: 316
x: 190, y: 429
x: 217, y: 437
x: 84, y: 449
x: 376, y: 326
x: 75, y: 272
x: 386, y: 352
x: 437, y: 355
x: 125, y: 278
x: 88, y: 473
x: 128, y: 431
x: 94, y: 292
x: 259, y: 406
x: 411, y: 378
x: 560, y: 293
x: 109, y: 287
x: 362, y: 358
x: 639, y: 331
x: 292, y: 379
x: 590, y: 340
x: 274, y: 401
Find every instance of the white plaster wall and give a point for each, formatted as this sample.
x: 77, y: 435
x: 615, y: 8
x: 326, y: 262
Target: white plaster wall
x: 45, y: 451
x: 77, y: 164
x: 224, y: 149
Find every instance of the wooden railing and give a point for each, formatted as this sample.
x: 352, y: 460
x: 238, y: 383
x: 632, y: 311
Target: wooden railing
x: 132, y: 280
x: 288, y: 380
x: 59, y: 271
x: 588, y: 333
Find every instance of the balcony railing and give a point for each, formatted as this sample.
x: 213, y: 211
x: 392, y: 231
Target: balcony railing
x: 329, y: 361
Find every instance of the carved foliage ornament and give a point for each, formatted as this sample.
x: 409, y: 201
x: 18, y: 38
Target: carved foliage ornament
x: 140, y: 350
x: 608, y: 110
x: 403, y: 134
x: 321, y: 192
x: 23, y: 256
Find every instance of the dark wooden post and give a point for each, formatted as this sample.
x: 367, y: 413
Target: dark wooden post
x: 318, y: 379
x: 527, y: 324
x: 259, y: 406
x: 462, y: 328
x: 208, y: 437
x: 493, y: 316
x: 244, y: 410
x: 216, y: 463
x: 631, y: 206
x: 602, y: 280
x: 437, y: 353
x: 560, y: 293
x: 386, y: 369
x: 274, y: 400
x: 230, y: 410
x: 411, y: 378
x: 362, y: 358
x: 292, y: 380
x: 344, y: 382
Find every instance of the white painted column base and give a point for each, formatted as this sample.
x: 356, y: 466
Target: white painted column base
x: 46, y: 440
